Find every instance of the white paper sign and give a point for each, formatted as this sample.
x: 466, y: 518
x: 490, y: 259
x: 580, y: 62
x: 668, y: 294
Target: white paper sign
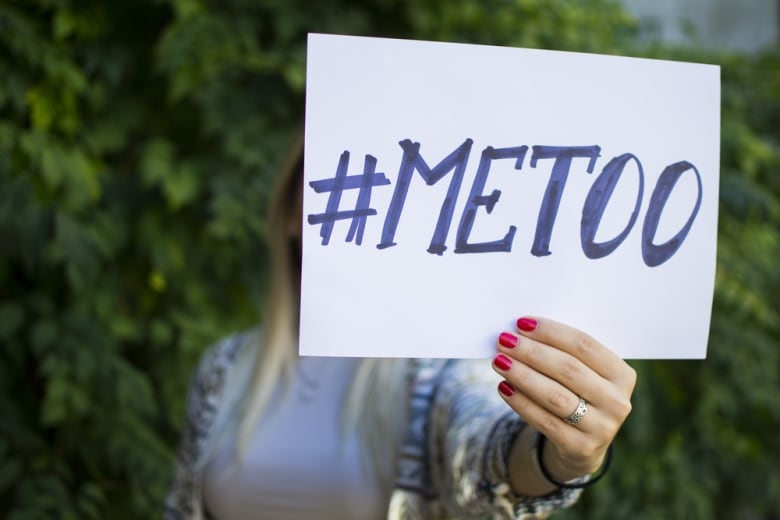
x: 450, y: 189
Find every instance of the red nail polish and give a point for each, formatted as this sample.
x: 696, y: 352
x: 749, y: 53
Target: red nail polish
x: 507, y: 340
x: 502, y: 362
x: 526, y: 324
x: 506, y: 389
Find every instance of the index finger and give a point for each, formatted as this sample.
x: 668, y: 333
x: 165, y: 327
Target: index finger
x: 575, y: 342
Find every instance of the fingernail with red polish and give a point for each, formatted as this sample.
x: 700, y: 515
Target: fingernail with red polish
x: 526, y: 324
x: 506, y: 389
x: 502, y: 362
x: 507, y: 340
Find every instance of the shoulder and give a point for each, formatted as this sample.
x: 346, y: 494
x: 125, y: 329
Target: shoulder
x: 215, y: 363
x: 213, y: 374
x: 205, y: 401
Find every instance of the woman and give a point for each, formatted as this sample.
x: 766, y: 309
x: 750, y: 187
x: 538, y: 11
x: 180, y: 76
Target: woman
x: 272, y: 435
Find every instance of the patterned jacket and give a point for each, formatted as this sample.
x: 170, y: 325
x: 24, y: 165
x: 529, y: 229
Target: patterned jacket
x: 452, y: 463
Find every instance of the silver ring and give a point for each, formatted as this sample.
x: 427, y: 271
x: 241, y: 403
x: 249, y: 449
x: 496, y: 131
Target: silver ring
x: 579, y: 413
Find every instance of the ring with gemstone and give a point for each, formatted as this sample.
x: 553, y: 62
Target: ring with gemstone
x: 579, y: 413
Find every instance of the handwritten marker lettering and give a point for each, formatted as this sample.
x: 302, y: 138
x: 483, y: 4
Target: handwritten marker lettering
x: 336, y: 187
x: 652, y: 254
x: 455, y: 162
x: 563, y: 156
x: 596, y: 203
x: 412, y: 160
x: 477, y: 198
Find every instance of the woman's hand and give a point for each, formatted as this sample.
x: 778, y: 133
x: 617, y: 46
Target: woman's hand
x: 548, y: 367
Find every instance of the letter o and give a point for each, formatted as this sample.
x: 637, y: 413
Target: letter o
x: 652, y: 254
x: 596, y: 203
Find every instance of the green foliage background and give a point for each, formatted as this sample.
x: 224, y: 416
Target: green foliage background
x: 138, y: 140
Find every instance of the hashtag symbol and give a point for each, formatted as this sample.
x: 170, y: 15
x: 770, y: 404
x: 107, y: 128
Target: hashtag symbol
x: 336, y: 186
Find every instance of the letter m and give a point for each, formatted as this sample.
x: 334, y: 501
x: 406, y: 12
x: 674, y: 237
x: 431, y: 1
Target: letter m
x: 411, y: 161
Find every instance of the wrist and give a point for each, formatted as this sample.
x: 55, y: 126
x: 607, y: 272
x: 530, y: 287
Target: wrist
x: 572, y: 476
x: 563, y: 468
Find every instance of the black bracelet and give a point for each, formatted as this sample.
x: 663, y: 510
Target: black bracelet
x: 541, y: 439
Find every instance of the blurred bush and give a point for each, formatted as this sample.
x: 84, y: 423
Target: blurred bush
x: 138, y: 140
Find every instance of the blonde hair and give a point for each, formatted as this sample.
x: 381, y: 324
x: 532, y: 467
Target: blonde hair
x: 377, y: 400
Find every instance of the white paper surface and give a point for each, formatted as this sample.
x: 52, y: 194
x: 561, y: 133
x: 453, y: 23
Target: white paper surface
x: 366, y: 96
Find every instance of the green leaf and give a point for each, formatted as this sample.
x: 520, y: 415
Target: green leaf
x: 11, y: 318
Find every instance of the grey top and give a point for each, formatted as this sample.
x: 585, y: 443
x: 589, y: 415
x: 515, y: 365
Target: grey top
x: 297, y: 464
